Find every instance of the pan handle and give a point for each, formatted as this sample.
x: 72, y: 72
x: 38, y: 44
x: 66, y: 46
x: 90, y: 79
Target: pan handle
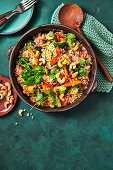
x: 10, y: 51
x: 94, y: 87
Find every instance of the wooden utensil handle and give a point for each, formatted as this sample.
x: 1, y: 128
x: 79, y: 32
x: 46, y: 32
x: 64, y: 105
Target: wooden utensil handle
x: 80, y: 31
x: 3, y: 15
x: 105, y: 71
x: 3, y: 21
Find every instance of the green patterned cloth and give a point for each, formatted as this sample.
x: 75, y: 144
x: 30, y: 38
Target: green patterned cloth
x: 102, y: 41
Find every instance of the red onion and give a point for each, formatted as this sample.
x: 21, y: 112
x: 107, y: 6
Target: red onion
x: 37, y: 44
x: 84, y: 79
x: 20, y: 67
x: 52, y: 67
x: 86, y: 54
x: 83, y: 48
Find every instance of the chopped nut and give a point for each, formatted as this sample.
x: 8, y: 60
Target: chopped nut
x: 6, y: 104
x: 1, y: 85
x: 1, y: 96
x: 4, y: 88
x: 32, y: 117
x: 3, y: 92
x: 9, y: 93
x: 20, y: 112
x: 31, y: 114
x: 8, y: 85
x: 8, y: 98
x: 16, y: 123
x: 28, y: 114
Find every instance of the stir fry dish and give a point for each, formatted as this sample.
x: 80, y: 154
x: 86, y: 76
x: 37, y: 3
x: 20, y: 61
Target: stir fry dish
x: 53, y: 69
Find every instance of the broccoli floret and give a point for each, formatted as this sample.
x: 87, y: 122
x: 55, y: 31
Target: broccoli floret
x: 39, y: 98
x: 37, y: 48
x: 60, y: 44
x: 70, y: 38
x: 22, y: 61
x: 51, y: 34
x: 82, y: 61
x: 61, y: 89
x: 30, y: 44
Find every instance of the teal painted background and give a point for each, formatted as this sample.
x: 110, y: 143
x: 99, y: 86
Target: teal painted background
x: 79, y: 139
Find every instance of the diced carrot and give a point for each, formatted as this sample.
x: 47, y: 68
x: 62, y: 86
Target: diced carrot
x: 59, y: 35
x: 72, y: 83
x: 45, y: 87
x: 33, y: 66
x: 49, y: 102
x: 62, y: 40
x: 30, y: 50
x: 36, y: 61
x: 58, y: 51
x: 49, y: 86
x: 70, y: 74
x: 45, y: 82
x: 57, y: 84
x: 65, y: 70
x: 62, y: 74
x: 37, y: 54
x: 32, y: 98
x: 55, y: 59
x: 42, y: 41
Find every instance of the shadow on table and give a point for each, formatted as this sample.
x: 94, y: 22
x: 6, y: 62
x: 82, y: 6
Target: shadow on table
x: 91, y: 104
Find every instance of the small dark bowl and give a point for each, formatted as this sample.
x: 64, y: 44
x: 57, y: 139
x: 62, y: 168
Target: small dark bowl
x: 14, y: 52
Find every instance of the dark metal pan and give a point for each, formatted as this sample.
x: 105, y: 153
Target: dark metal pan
x: 14, y: 52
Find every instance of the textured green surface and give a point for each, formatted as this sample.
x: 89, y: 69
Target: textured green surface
x: 79, y: 139
x: 102, y: 41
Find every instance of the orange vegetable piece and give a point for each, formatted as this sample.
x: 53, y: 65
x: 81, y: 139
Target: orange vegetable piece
x: 45, y: 87
x: 42, y: 41
x: 70, y: 74
x: 31, y: 51
x: 49, y: 86
x: 65, y: 70
x: 49, y: 102
x: 32, y: 98
x: 37, y: 54
x: 33, y: 66
x: 62, y: 40
x: 57, y: 84
x: 59, y: 35
x: 72, y: 83
x: 58, y: 51
x: 55, y: 59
